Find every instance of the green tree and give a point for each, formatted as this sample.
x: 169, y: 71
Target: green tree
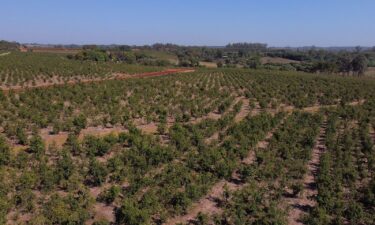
x: 37, y: 146
x: 254, y: 62
x: 21, y: 136
x: 130, y: 57
x: 360, y: 64
x: 79, y: 122
x: 4, y: 152
x: 130, y: 214
x: 65, y: 166
x: 97, y: 172
x: 110, y: 195
x: 73, y: 145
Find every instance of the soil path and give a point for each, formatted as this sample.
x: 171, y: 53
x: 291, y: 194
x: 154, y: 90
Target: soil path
x: 244, y: 111
x: 209, y: 204
x: 114, y: 76
x: 307, y: 199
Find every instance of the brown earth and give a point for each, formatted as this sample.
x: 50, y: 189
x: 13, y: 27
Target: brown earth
x: 244, y: 111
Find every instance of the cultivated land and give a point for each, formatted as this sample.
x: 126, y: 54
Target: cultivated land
x: 182, y: 146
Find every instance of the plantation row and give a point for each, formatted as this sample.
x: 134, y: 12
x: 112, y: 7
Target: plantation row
x: 145, y: 182
x: 29, y: 69
x: 346, y: 173
x: 46, y: 183
x: 168, y: 99
x: 277, y: 169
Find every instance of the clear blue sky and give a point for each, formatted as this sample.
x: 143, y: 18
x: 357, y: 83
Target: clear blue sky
x: 193, y: 22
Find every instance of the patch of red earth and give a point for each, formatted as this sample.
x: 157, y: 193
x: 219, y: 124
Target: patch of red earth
x: 307, y: 199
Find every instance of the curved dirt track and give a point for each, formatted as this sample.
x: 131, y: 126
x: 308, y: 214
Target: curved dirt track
x: 114, y: 76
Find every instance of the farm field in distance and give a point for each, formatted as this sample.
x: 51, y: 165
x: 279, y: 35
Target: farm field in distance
x: 105, y: 142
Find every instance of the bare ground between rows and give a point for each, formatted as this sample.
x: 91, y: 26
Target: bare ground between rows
x: 307, y: 199
x: 151, y: 128
x: 209, y: 204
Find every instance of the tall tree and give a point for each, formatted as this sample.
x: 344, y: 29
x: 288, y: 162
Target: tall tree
x: 345, y: 64
x: 360, y: 64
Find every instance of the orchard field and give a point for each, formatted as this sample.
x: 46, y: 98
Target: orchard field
x: 211, y: 146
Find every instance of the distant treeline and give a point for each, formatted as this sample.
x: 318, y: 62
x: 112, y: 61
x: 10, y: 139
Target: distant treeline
x: 93, y: 53
x: 346, y: 61
x: 8, y: 46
